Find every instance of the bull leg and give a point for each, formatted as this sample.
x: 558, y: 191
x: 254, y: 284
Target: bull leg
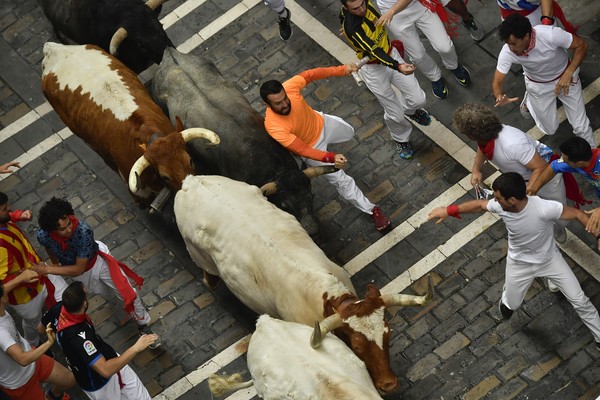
x: 211, y: 280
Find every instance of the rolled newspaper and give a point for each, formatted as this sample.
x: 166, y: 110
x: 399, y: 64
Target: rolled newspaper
x: 355, y: 75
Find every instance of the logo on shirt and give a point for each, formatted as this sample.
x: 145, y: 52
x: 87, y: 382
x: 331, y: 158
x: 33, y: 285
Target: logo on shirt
x: 89, y: 347
x: 81, y: 335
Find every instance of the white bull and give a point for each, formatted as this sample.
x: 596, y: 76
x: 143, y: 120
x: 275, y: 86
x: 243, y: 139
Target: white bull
x: 270, y: 263
x: 284, y: 366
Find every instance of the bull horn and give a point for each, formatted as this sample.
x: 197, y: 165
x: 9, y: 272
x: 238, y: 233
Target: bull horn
x: 116, y: 40
x: 391, y: 300
x: 322, y: 328
x: 200, y: 133
x: 269, y: 188
x: 136, y: 171
x: 154, y: 4
x: 313, y: 172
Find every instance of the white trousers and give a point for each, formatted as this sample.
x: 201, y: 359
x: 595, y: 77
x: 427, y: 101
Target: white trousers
x: 541, y: 103
x: 134, y: 388
x: 379, y: 79
x: 97, y: 280
x: 275, y: 5
x: 31, y: 312
x: 520, y: 275
x: 336, y: 130
x: 404, y: 27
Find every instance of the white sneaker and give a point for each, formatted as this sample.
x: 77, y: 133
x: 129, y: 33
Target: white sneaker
x: 560, y: 233
x: 552, y: 287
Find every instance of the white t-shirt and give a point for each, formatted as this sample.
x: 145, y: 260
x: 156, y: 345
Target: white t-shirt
x: 546, y: 61
x: 12, y: 375
x: 531, y: 231
x: 512, y: 150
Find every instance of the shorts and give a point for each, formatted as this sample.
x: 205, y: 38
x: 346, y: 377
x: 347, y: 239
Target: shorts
x: 32, y: 390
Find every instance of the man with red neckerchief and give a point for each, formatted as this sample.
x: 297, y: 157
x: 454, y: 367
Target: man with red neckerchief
x: 17, y: 255
x: 549, y: 74
x: 99, y: 370
x: 73, y: 251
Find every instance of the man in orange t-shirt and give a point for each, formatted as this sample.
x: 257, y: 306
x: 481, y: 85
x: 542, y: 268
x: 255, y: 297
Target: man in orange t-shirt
x: 306, y: 132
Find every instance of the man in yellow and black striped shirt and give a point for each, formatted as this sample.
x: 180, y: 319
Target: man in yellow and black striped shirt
x: 385, y: 68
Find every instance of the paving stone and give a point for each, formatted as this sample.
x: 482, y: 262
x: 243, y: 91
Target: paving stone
x: 421, y: 347
x: 452, y: 389
x: 474, y: 308
x: 159, y: 311
x: 453, y: 324
x: 456, y: 366
x: 421, y: 327
x: 425, y: 366
x: 147, y: 252
x: 179, y: 279
x: 452, y: 345
x: 540, y: 369
x: 479, y: 327
x: 482, y: 388
x: 423, y: 388
x: 509, y: 391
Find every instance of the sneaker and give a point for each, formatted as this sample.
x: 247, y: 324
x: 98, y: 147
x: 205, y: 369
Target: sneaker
x: 50, y: 396
x: 405, y: 150
x: 146, y: 330
x: 381, y: 221
x: 552, y: 287
x: 421, y: 117
x: 285, y: 28
x: 560, y: 234
x: 475, y: 31
x: 523, y: 108
x: 505, y: 311
x: 439, y: 89
x: 462, y: 75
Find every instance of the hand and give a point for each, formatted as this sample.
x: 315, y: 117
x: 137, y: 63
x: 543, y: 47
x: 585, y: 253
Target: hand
x: 386, y: 18
x: 406, y: 69
x: 143, y: 342
x: 350, y: 68
x: 340, y: 161
x: 26, y: 215
x: 28, y: 275
x: 503, y: 100
x: 593, y: 224
x: 476, y: 178
x: 562, y: 86
x: 40, y: 268
x: 5, y: 168
x: 50, y: 333
x: 440, y: 213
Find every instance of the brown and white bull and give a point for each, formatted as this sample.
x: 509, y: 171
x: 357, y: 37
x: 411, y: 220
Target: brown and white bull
x: 271, y: 264
x: 284, y: 366
x: 103, y: 102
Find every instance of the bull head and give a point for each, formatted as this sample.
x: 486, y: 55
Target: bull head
x: 362, y: 326
x: 271, y: 187
x: 121, y: 34
x: 142, y: 163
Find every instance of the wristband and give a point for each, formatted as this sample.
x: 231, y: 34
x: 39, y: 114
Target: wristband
x: 452, y: 211
x: 546, y: 20
x: 329, y: 157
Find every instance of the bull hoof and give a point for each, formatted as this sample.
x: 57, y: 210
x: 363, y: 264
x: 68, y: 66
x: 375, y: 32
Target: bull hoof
x: 211, y: 280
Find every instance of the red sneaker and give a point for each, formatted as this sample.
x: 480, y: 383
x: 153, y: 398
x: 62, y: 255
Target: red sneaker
x: 381, y: 221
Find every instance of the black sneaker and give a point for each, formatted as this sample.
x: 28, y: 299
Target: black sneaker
x: 462, y: 75
x: 146, y: 330
x: 505, y: 311
x: 405, y: 150
x: 439, y: 89
x: 421, y: 117
x: 475, y: 31
x: 285, y: 28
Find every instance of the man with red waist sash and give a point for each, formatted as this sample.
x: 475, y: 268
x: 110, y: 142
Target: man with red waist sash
x: 16, y: 255
x: 74, y: 252
x: 549, y: 74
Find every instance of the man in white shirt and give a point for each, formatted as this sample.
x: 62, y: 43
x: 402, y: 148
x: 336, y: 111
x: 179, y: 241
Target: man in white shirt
x: 532, y: 252
x: 542, y: 52
x: 511, y: 150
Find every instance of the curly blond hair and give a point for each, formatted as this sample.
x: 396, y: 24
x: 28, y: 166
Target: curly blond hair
x: 477, y: 121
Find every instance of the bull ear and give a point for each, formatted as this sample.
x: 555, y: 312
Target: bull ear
x: 372, y: 291
x: 178, y: 124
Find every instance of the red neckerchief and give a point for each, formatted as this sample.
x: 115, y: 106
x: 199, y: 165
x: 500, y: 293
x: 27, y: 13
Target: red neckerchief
x: 487, y: 149
x: 63, y: 240
x: 531, y: 43
x: 66, y: 319
x: 595, y: 156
